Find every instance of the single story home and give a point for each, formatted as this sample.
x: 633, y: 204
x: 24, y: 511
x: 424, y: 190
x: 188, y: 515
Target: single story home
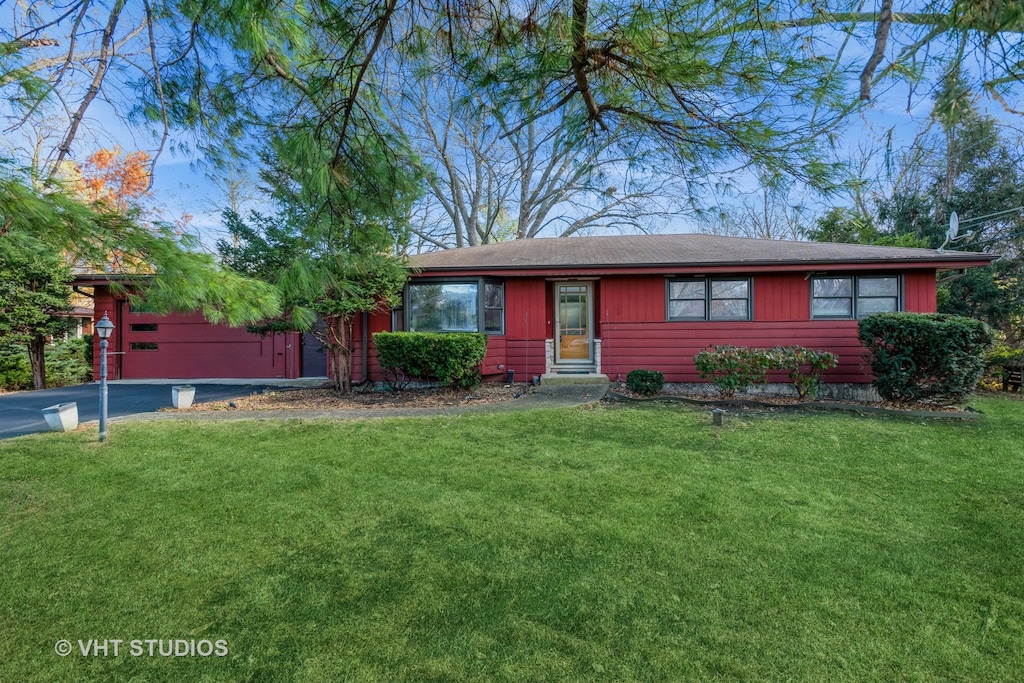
x: 589, y: 305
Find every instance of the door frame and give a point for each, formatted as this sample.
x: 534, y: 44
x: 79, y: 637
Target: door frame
x: 589, y: 288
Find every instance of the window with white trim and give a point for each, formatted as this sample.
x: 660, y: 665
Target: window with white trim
x: 854, y: 296
x: 718, y: 298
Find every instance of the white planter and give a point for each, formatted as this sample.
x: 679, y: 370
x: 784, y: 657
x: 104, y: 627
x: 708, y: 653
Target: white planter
x: 182, y: 396
x: 62, y: 417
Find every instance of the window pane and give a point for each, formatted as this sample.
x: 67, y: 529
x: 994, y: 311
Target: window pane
x: 687, y: 289
x: 832, y: 308
x: 493, y: 295
x: 443, y: 308
x: 832, y: 286
x: 686, y: 309
x: 729, y: 309
x: 878, y: 286
x: 728, y: 289
x: 492, y: 320
x: 494, y: 307
x: 881, y: 304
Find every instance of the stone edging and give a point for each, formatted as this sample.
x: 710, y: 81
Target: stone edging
x: 823, y: 406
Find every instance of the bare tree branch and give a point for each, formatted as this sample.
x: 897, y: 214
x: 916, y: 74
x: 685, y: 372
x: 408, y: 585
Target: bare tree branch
x: 881, y: 38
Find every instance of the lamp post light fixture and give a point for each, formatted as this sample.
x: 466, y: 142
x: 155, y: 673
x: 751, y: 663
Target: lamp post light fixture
x: 103, y: 328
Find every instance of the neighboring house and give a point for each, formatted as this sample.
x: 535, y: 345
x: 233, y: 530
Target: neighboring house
x: 81, y: 317
x: 614, y: 304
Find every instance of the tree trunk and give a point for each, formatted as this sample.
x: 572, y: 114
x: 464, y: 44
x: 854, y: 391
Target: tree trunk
x: 37, y: 357
x: 339, y: 354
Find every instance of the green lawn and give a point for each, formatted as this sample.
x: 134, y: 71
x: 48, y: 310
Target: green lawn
x: 594, y: 544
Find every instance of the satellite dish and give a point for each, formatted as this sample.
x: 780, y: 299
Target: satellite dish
x: 952, y: 233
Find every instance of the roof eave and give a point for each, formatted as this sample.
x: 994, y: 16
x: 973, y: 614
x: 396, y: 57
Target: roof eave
x: 738, y: 266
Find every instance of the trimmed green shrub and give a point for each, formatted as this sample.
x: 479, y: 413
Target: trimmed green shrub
x: 645, y: 382
x: 794, y: 360
x: 453, y: 359
x: 925, y: 357
x: 734, y: 368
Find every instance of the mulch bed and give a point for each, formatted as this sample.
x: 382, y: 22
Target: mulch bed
x: 788, y: 403
x: 369, y: 399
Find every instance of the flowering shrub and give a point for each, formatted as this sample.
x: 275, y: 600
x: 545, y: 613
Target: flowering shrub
x: 737, y: 368
x: 796, y: 358
x: 734, y: 368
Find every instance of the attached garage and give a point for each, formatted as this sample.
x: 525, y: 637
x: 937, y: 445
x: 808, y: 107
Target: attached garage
x: 186, y: 346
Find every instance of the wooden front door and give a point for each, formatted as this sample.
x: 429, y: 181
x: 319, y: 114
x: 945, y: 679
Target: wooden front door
x: 573, y: 322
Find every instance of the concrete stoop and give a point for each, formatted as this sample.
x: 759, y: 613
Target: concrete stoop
x: 568, y: 378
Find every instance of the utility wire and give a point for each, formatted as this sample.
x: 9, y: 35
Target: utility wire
x: 997, y: 213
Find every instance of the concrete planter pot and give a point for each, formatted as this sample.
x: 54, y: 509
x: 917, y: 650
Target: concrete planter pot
x: 182, y: 396
x: 62, y: 417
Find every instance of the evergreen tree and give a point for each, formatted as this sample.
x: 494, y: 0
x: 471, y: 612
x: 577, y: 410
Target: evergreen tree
x: 34, y: 293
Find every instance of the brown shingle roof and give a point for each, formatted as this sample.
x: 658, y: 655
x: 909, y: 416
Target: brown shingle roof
x: 625, y: 251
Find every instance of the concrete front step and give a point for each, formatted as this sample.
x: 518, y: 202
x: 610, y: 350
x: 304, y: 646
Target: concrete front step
x: 565, y: 378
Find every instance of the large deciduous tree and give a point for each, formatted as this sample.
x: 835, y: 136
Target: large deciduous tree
x: 497, y: 170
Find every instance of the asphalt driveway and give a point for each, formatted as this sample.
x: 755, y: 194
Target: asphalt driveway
x: 21, y: 412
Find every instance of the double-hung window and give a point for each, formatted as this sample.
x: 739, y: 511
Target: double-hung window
x: 854, y: 296
x: 717, y: 298
x: 476, y: 305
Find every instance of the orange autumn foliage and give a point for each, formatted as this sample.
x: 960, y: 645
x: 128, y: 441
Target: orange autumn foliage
x: 116, y: 179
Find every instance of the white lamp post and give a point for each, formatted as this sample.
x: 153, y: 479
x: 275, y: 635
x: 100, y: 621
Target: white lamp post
x: 103, y: 328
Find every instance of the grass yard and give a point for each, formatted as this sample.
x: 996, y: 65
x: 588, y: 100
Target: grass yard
x: 596, y: 544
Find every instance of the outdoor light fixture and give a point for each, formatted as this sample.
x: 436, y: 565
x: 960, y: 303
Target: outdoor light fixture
x: 103, y: 328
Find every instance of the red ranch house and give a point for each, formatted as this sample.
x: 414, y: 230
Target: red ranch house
x: 615, y: 304
x: 602, y: 305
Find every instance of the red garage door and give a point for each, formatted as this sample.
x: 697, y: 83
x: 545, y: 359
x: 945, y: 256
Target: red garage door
x: 186, y: 346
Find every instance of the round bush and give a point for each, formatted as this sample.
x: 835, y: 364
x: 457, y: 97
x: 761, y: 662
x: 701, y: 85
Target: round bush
x: 645, y: 382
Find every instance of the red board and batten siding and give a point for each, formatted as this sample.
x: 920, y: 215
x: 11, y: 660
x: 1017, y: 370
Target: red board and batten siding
x: 635, y: 333
x: 521, y: 348
x: 189, y: 347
